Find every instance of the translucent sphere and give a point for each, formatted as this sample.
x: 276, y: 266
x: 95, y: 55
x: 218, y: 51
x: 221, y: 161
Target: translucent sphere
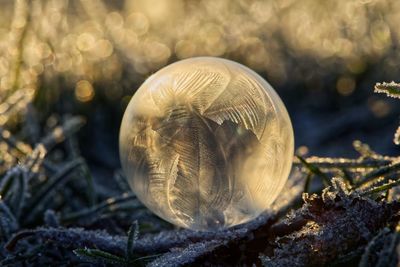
x: 206, y: 143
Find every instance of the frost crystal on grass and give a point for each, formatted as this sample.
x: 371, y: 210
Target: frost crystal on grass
x: 391, y: 89
x: 396, y: 138
x: 328, y: 228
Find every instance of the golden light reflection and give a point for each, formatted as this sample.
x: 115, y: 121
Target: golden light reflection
x: 85, y: 41
x: 380, y: 108
x: 138, y: 23
x: 345, y: 85
x: 302, y: 151
x: 96, y: 39
x: 84, y: 91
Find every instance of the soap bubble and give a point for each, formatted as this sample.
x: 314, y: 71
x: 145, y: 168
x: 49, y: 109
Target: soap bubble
x: 206, y: 143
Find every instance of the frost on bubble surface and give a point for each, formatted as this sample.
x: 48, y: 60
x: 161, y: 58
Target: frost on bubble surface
x: 206, y: 143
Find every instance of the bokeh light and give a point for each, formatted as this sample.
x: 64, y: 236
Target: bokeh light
x: 74, y: 37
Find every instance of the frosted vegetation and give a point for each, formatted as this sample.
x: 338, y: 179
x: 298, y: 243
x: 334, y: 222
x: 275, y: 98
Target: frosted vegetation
x: 60, y: 205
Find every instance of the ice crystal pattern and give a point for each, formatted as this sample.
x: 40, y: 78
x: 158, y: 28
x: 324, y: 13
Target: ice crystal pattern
x: 206, y: 143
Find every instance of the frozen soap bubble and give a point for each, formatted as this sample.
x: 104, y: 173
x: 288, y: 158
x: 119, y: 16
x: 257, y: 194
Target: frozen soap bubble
x: 206, y: 143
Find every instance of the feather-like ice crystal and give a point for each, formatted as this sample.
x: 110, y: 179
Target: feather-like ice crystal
x: 206, y: 143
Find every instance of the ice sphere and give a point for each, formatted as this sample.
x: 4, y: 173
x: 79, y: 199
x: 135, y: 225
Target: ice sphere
x: 206, y: 143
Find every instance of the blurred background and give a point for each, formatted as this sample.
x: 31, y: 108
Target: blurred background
x: 88, y: 57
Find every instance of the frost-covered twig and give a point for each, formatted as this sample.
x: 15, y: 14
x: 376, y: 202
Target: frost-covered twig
x: 396, y: 138
x: 8, y: 222
x: 188, y: 255
x: 379, y: 172
x: 391, y: 89
x: 73, y: 238
x: 60, y: 133
x: 58, y: 179
x: 328, y: 227
x: 338, y: 163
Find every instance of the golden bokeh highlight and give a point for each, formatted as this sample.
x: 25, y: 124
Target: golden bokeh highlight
x: 380, y: 108
x: 57, y: 37
x: 84, y: 91
x: 345, y: 85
